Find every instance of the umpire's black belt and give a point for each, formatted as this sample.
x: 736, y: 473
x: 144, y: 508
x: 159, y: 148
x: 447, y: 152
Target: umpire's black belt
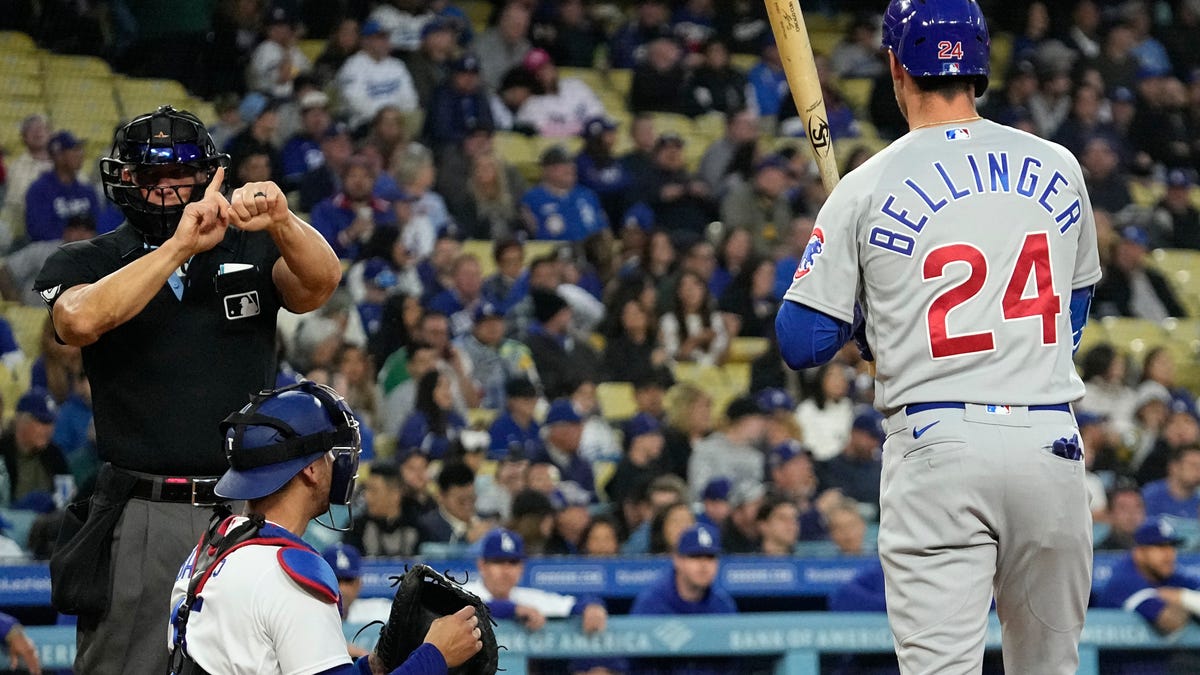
x: 197, y: 491
x: 934, y: 405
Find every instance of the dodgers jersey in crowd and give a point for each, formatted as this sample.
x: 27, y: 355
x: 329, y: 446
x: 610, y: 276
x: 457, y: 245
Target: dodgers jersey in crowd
x: 573, y: 216
x: 933, y: 223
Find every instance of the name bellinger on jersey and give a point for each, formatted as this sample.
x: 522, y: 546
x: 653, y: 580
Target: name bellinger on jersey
x: 995, y: 275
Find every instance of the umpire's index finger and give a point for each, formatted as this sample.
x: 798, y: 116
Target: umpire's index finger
x: 214, y: 186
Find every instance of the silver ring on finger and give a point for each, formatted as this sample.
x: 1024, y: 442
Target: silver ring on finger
x: 260, y: 194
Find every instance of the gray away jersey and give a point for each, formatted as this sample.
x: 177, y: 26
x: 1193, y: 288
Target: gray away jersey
x: 963, y: 243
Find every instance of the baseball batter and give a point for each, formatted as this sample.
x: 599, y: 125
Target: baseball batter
x: 970, y: 249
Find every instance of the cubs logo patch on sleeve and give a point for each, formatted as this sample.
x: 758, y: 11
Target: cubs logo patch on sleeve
x: 816, y: 244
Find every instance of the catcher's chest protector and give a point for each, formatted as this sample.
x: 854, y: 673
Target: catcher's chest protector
x: 215, y: 545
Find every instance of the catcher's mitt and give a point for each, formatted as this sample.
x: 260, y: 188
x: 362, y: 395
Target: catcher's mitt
x: 422, y: 596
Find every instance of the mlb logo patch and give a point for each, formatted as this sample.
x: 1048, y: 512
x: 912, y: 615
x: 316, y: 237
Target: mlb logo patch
x: 951, y: 68
x: 242, y: 306
x: 958, y: 134
x: 816, y: 244
x: 999, y: 409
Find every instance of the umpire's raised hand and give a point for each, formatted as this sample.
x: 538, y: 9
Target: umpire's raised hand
x: 258, y: 206
x: 203, y: 223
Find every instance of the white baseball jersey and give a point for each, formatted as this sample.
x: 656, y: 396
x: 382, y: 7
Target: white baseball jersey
x: 963, y: 243
x: 253, y: 618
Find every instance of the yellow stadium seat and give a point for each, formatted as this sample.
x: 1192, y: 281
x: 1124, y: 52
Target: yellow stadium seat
x: 539, y: 249
x: 76, y: 87
x: 17, y: 63
x: 823, y: 41
x: 1146, y: 193
x: 744, y: 62
x: 671, y: 122
x: 482, y: 249
x: 746, y: 349
x: 478, y: 11
x: 76, y: 66
x: 1134, y: 336
x: 833, y: 23
x: 1001, y: 52
x: 737, y: 376
x: 12, y: 41
x: 1093, y: 334
x: 616, y: 400
x: 597, y: 342
x: 519, y: 151
x: 16, y: 85
x: 857, y: 92
x: 602, y: 472
x: 710, y: 126
x: 26, y: 324
x: 12, y: 385
x: 621, y: 79
x: 481, y: 418
x: 312, y: 49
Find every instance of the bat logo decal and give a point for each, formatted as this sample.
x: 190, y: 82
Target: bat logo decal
x: 818, y: 135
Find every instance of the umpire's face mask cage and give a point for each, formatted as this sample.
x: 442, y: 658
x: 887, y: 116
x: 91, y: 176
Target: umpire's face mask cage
x: 283, y: 430
x: 166, y: 143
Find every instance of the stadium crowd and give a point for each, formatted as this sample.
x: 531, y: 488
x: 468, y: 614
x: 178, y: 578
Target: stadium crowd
x: 490, y: 312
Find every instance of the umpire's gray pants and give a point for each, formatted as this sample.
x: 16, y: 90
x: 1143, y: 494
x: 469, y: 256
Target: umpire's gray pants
x: 151, y: 541
x: 978, y: 503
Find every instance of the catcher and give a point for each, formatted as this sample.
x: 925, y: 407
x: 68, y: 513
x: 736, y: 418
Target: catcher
x: 253, y: 597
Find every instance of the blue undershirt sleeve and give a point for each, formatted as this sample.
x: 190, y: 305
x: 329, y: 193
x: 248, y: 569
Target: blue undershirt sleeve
x: 807, y: 337
x: 1081, y: 302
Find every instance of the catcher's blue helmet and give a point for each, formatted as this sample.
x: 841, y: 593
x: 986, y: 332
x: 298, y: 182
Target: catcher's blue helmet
x: 936, y: 38
x: 280, y: 432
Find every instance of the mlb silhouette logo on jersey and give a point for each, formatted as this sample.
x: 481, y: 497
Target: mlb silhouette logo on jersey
x: 816, y: 244
x: 242, y: 306
x: 962, y: 133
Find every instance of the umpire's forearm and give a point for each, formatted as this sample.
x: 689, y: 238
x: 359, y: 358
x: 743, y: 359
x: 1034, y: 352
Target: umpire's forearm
x: 309, y: 270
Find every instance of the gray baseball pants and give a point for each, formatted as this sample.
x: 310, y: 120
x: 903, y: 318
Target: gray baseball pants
x: 973, y: 503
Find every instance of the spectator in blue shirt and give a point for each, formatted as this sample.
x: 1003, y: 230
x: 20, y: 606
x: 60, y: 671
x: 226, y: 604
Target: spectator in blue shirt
x: 302, y: 152
x: 349, y: 219
x: 1176, y: 494
x: 1146, y: 581
x: 768, y: 81
x: 464, y: 296
x: 434, y: 423
x: 561, y: 434
x: 459, y: 105
x: 510, y: 283
x: 58, y: 195
x: 599, y: 169
x: 690, y: 588
x: 516, y: 427
x: 627, y: 47
x: 558, y: 208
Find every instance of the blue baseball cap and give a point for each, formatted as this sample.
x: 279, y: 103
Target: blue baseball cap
x: 774, y: 399
x: 252, y: 105
x: 870, y: 422
x: 1135, y: 235
x: 786, y: 452
x: 597, y: 126
x: 63, y: 140
x: 377, y: 271
x: 569, y: 493
x: 487, y: 310
x: 1156, y: 531
x: 1179, y: 178
x: 562, y: 410
x: 371, y: 28
x: 467, y: 63
x: 640, y: 425
x: 1084, y: 418
x: 640, y: 216
x: 345, y: 560
x: 502, y: 544
x: 699, y: 540
x: 434, y: 25
x: 717, y: 489
x: 40, y: 404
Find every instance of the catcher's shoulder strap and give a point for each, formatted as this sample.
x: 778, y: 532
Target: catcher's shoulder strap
x: 221, y: 539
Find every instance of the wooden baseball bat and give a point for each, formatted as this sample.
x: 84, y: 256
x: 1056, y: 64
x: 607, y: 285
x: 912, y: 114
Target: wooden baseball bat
x: 795, y: 50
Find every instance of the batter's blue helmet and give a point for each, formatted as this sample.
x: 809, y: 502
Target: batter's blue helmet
x: 280, y: 432
x: 935, y: 38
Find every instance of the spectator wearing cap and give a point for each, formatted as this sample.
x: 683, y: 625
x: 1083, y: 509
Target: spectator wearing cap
x: 792, y: 476
x: 1147, y: 581
x: 714, y: 503
x: 562, y: 431
x: 733, y: 452
x: 501, y: 564
x: 429, y: 65
x: 856, y: 470
x: 1095, y: 437
x: 302, y: 152
x: 277, y: 60
x: 31, y: 459
x: 378, y: 279
x: 560, y: 106
x: 58, y: 195
x: 458, y: 106
x: 1130, y: 288
x: 325, y: 181
x: 503, y: 46
x: 682, y: 202
x: 642, y: 458
x: 261, y: 115
x: 558, y: 208
x: 658, y: 81
x: 385, y: 527
x: 372, y: 78
x: 690, y: 589
x: 767, y: 79
x: 1176, y: 216
x: 434, y: 423
x: 494, y: 358
x: 20, y: 172
x: 461, y: 301
x: 349, y: 219
x: 571, y: 518
x: 1125, y: 513
x: 455, y: 520
x: 780, y: 409
x: 1176, y: 494
x: 515, y: 429
x: 346, y: 563
x: 561, y: 359
x: 598, y: 168
x: 402, y: 22
x: 627, y: 47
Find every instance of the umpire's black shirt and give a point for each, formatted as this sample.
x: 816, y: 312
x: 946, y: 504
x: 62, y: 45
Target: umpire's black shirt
x: 163, y: 381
